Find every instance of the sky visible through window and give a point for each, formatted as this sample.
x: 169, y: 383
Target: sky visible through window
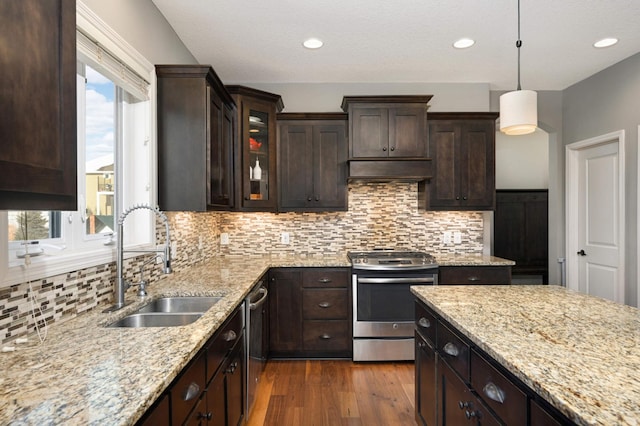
x: 100, y: 92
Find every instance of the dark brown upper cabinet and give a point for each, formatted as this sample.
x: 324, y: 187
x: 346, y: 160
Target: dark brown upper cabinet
x: 462, y: 146
x: 255, y: 176
x: 38, y: 105
x: 196, y: 135
x: 387, y: 126
x: 312, y: 162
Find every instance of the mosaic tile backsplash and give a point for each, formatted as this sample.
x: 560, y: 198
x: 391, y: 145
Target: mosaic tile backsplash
x: 379, y: 215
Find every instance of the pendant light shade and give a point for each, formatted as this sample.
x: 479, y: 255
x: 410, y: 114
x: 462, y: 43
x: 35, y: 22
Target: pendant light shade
x: 519, y: 112
x: 519, y: 109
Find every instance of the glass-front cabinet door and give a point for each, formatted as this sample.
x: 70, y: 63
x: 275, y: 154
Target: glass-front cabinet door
x: 256, y: 159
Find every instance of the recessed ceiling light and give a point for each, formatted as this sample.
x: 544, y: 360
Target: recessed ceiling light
x: 605, y: 42
x: 313, y: 43
x: 463, y: 43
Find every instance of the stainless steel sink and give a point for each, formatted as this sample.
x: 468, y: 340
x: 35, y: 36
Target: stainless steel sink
x: 168, y: 312
x: 180, y: 304
x: 155, y: 319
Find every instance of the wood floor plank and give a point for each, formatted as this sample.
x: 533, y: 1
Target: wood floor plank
x: 334, y: 392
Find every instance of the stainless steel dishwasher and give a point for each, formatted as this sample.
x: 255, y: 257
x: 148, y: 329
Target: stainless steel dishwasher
x: 256, y: 339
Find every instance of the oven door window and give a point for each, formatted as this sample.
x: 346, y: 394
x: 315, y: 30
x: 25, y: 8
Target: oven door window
x: 385, y: 302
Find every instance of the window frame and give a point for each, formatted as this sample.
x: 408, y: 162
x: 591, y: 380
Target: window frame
x: 99, y: 249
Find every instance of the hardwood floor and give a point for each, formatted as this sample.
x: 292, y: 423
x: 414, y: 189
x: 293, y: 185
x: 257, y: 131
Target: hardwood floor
x: 335, y: 392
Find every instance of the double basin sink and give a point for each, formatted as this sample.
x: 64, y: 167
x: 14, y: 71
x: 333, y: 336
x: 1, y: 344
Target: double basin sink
x: 168, y: 312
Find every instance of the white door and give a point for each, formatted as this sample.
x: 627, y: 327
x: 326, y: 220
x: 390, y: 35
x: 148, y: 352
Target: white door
x: 595, y: 217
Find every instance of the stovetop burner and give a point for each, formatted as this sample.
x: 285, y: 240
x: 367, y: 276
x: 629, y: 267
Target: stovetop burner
x: 390, y: 259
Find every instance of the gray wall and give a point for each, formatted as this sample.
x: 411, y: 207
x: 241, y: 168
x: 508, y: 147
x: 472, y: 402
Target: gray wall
x: 142, y: 25
x: 605, y: 102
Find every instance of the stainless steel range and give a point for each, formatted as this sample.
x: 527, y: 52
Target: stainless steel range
x: 383, y: 306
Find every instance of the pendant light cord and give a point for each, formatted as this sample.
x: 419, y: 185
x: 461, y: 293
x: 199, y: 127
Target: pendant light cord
x: 518, y: 45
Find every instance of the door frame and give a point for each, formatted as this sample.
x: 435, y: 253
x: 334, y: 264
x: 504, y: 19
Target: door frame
x: 571, y: 204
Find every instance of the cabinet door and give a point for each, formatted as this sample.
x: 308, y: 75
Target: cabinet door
x: 258, y: 149
x: 296, y: 165
x: 234, y: 386
x: 38, y: 109
x: 216, y: 411
x: 369, y: 132
x: 221, y: 131
x: 329, y: 190
x: 407, y: 130
x: 457, y: 404
x: 444, y: 148
x: 477, y: 164
x: 425, y: 382
x: 285, y: 310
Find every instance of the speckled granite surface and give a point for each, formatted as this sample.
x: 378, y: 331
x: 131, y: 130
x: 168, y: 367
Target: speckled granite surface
x: 580, y: 353
x: 466, y: 259
x: 86, y: 374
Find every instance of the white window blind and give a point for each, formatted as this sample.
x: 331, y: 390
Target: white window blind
x: 103, y: 61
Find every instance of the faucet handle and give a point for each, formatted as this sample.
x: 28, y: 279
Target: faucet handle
x: 142, y: 288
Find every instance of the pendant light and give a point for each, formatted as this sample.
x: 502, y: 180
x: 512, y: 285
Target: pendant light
x: 519, y: 109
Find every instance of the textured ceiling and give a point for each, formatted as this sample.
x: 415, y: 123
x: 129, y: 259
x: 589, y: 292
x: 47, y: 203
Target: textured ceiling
x: 382, y: 41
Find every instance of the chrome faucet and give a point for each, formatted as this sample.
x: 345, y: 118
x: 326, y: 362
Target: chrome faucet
x: 164, y: 253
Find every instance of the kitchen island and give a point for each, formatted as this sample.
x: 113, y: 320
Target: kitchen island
x: 578, y: 353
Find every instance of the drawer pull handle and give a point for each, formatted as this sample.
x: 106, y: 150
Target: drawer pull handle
x: 451, y: 349
x: 324, y: 280
x: 190, y: 392
x: 493, y: 392
x: 229, y: 336
x: 205, y: 416
x: 324, y: 305
x: 325, y: 337
x: 473, y: 279
x: 424, y: 323
x: 464, y: 404
x: 469, y: 414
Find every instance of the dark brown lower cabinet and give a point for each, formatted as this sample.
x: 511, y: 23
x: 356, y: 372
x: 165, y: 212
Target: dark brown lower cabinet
x: 467, y: 275
x: 310, y: 312
x: 425, y: 368
x: 458, y: 405
x: 458, y: 384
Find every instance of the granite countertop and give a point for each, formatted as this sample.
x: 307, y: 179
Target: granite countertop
x: 580, y: 353
x: 446, y: 259
x: 86, y: 374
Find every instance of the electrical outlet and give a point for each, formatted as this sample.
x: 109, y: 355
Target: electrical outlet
x: 200, y: 242
x: 224, y: 238
x: 457, y: 237
x: 447, y: 237
x: 284, y: 238
x: 174, y: 249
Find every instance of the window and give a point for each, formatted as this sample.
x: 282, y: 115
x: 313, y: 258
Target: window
x: 115, y: 157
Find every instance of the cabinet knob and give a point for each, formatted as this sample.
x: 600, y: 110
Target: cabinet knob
x: 451, y: 349
x: 472, y: 279
x: 494, y: 393
x: 246, y: 198
x: 469, y: 414
x: 384, y: 149
x: 324, y: 305
x: 393, y: 148
x: 205, y: 416
x: 325, y: 337
x: 424, y: 323
x: 317, y: 198
x: 464, y: 198
x: 324, y: 280
x: 457, y: 198
x: 190, y: 392
x: 308, y: 198
x: 229, y: 336
x: 464, y: 404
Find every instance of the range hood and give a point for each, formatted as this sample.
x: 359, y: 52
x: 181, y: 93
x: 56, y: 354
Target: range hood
x: 389, y: 170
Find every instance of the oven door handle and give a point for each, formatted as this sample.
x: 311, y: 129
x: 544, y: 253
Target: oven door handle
x: 413, y: 280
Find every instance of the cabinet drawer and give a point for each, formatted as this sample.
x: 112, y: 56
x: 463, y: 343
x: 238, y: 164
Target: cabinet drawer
x: 327, y: 335
x: 453, y: 350
x: 220, y: 346
x: 426, y: 323
x: 540, y: 417
x: 325, y: 277
x: 498, y: 392
x: 331, y: 303
x: 474, y: 275
x: 185, y: 393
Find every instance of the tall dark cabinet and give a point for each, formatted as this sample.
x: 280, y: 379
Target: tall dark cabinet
x: 312, y: 150
x: 462, y: 146
x: 196, y: 134
x: 38, y: 107
x: 521, y: 231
